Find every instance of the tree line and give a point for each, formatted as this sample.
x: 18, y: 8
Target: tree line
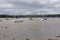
x: 27, y: 16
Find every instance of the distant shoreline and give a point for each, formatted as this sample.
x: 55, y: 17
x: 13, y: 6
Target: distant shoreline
x: 30, y: 16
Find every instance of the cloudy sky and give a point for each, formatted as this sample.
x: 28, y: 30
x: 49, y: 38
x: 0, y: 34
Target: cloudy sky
x: 28, y: 7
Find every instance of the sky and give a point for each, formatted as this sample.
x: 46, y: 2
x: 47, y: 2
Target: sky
x: 29, y: 7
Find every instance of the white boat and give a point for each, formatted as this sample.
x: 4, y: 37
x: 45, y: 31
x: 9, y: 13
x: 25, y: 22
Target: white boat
x: 17, y: 20
x: 57, y: 35
x: 42, y: 19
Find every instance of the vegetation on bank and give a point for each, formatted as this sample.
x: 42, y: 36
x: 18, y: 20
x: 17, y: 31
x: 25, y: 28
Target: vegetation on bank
x: 28, y: 16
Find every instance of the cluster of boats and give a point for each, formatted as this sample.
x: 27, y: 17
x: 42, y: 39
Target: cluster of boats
x: 21, y: 20
x: 56, y: 37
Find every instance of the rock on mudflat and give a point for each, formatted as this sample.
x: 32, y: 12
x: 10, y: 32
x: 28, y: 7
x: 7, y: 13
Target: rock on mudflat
x: 27, y: 39
x: 5, y: 26
x: 13, y: 38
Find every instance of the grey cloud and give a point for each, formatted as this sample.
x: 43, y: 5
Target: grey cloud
x: 21, y: 7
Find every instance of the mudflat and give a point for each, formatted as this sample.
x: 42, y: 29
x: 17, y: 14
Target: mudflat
x: 29, y: 29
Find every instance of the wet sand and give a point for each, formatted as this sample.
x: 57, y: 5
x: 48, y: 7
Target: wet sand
x: 29, y: 29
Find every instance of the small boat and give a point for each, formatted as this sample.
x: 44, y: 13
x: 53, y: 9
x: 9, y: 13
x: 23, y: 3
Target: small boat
x: 57, y: 35
x: 42, y: 19
x: 7, y: 19
x: 52, y: 38
x: 30, y: 19
x: 18, y: 20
